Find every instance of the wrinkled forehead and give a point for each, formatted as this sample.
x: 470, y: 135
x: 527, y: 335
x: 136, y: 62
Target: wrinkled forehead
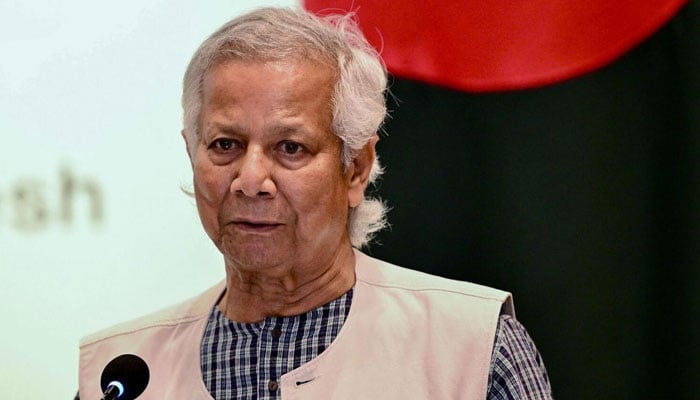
x: 280, y: 92
x: 319, y: 71
x: 323, y: 75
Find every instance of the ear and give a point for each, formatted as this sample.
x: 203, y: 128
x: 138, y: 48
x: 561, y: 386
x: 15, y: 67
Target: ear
x: 359, y: 172
x: 187, y: 146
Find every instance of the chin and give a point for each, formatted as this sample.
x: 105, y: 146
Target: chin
x: 250, y: 255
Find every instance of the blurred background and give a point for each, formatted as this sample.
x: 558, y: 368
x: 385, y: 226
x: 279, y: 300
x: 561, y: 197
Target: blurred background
x: 579, y: 191
x: 94, y: 228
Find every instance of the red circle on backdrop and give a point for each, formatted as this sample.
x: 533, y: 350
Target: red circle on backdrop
x: 495, y: 45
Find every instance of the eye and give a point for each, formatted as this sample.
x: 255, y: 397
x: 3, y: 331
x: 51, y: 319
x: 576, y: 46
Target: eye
x: 291, y: 148
x: 222, y: 144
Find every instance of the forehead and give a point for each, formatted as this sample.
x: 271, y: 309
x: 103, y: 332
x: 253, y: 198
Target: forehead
x: 290, y: 80
x: 285, y: 92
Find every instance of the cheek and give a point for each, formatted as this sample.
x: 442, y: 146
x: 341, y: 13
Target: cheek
x: 210, y: 185
x: 321, y: 196
x: 209, y: 196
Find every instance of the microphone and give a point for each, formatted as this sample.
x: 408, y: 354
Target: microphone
x: 124, y: 378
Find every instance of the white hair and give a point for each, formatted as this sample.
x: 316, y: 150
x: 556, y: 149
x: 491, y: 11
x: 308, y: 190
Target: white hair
x: 359, y: 104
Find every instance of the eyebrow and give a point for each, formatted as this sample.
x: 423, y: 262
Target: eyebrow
x: 276, y: 130
x: 286, y: 129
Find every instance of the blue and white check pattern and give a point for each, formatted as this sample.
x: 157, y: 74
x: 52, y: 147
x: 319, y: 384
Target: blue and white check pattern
x: 246, y: 361
x: 517, y: 370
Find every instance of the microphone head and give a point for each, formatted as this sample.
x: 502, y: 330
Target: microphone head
x: 129, y: 371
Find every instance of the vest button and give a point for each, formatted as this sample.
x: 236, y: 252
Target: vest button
x: 276, y: 333
x: 273, y: 385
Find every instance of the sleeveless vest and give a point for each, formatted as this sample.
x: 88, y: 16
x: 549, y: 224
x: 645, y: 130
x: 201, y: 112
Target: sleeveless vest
x: 408, y: 335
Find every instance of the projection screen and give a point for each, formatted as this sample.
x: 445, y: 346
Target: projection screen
x: 94, y: 226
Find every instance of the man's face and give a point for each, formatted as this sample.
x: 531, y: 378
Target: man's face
x: 269, y: 183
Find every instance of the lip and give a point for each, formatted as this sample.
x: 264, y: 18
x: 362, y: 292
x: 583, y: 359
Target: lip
x: 255, y: 226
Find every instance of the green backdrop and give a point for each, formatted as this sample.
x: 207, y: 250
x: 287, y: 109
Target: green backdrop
x: 582, y: 198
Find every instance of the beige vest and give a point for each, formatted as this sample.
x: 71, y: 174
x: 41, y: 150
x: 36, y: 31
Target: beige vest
x: 408, y: 335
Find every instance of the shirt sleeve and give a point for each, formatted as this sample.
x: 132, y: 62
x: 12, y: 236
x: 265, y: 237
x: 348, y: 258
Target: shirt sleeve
x: 517, y: 370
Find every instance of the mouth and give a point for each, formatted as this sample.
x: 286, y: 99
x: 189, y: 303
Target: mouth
x: 256, y: 226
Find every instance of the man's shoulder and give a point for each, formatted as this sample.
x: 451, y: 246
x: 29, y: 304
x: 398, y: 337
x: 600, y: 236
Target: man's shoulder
x: 186, y: 311
x: 381, y: 273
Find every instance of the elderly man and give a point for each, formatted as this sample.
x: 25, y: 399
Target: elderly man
x: 281, y: 113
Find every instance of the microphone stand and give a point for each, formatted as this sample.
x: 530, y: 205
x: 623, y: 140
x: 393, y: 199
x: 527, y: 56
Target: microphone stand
x: 111, y: 393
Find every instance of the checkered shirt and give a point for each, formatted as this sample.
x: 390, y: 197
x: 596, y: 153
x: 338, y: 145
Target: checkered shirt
x: 245, y: 361
x: 517, y: 370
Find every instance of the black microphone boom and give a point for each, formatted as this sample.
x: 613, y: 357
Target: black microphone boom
x: 124, y: 378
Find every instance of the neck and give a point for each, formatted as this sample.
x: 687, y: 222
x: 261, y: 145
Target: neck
x: 293, y: 290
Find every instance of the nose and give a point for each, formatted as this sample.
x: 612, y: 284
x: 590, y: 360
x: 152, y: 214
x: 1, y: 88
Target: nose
x: 254, y: 177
